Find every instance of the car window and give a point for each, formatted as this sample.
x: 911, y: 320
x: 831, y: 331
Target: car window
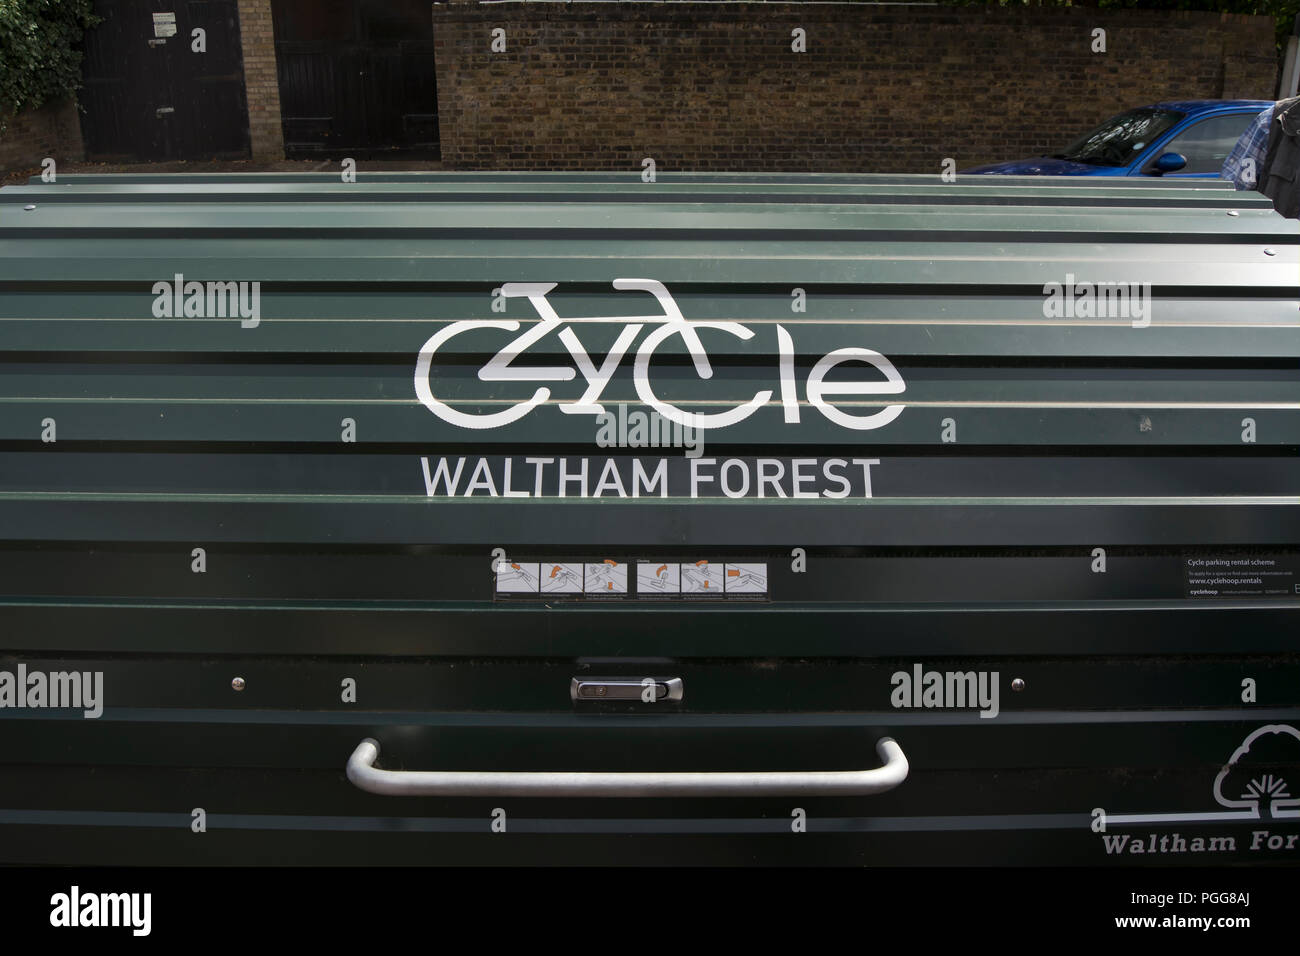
x: 1121, y: 139
x: 1207, y: 144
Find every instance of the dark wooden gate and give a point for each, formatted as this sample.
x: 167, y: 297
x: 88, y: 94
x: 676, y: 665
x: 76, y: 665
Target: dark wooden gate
x: 356, y: 77
x: 148, y: 95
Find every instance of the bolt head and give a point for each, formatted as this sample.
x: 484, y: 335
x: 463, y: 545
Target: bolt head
x: 1017, y: 684
x: 237, y: 683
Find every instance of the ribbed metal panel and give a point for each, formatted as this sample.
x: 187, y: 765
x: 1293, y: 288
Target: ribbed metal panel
x: 1022, y: 442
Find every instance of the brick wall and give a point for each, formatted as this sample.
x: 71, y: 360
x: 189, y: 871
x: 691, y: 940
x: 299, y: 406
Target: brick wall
x: 262, y: 87
x: 880, y: 88
x: 53, y: 130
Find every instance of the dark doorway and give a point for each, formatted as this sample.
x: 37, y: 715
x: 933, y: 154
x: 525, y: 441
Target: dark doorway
x: 148, y: 94
x: 356, y: 78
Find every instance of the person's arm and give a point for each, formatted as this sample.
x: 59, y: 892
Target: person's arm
x: 1242, y: 164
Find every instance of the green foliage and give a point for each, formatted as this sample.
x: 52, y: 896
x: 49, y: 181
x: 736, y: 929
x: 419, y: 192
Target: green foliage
x: 1282, y: 12
x: 39, y: 59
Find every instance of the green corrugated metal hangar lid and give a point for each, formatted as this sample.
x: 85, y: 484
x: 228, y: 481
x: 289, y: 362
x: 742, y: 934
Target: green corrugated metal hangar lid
x: 604, y: 186
x: 999, y: 420
x: 893, y: 250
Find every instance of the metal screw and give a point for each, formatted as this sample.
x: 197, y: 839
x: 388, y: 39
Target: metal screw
x: 602, y: 690
x: 237, y: 683
x: 1017, y: 684
x: 1233, y: 212
x: 1270, y: 252
x: 28, y: 208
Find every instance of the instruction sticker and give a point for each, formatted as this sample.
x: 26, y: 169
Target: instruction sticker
x: 607, y: 577
x: 745, y: 579
x: 561, y: 578
x: 514, y: 577
x: 702, y: 577
x: 631, y: 578
x: 164, y: 24
x: 659, y: 577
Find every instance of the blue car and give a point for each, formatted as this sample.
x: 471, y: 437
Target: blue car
x: 1189, y: 138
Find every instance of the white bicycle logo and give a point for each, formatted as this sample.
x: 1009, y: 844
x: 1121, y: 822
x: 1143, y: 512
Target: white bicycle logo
x: 670, y: 323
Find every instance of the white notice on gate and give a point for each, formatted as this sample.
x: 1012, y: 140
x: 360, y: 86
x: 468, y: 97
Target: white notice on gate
x: 164, y: 24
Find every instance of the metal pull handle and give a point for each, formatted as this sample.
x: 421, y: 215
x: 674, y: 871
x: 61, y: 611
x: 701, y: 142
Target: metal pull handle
x: 473, y: 783
x: 647, y: 690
